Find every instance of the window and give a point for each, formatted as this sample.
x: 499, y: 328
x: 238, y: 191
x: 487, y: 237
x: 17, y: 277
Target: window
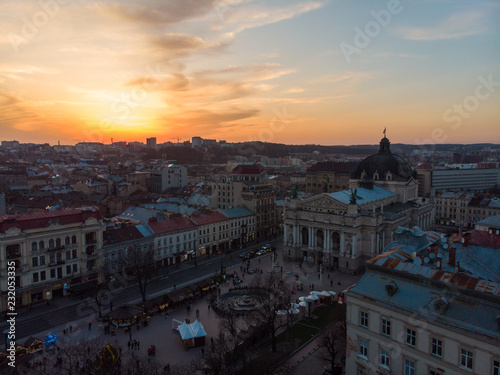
x: 52, y: 259
x: 68, y: 270
x: 362, y: 372
x: 34, y: 246
x: 466, y: 359
x: 34, y: 262
x: 42, y: 260
x: 35, y: 277
x: 75, y: 268
x: 409, y: 368
x: 363, y: 348
x: 496, y: 367
x: 74, y: 254
x: 363, y: 319
x: 386, y: 327
x: 434, y: 372
x: 68, y: 254
x: 43, y: 275
x: 385, y: 359
x: 437, y: 347
x: 411, y: 337
x: 52, y: 273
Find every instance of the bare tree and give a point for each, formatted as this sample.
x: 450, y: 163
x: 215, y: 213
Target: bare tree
x: 333, y: 343
x: 139, y: 263
x: 273, y: 296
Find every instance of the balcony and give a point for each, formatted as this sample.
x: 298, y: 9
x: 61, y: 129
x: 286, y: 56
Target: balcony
x: 56, y: 248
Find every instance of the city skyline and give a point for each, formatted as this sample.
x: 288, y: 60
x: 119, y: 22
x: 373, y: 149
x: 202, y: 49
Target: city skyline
x: 322, y: 72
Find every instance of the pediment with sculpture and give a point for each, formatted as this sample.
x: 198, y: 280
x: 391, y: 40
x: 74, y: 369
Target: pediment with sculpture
x: 324, y: 202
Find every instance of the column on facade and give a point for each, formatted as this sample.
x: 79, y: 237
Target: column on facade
x: 383, y: 239
x: 354, y: 243
x: 372, y: 250
x: 310, y: 233
x: 285, y: 232
x: 342, y: 243
x: 378, y: 242
x: 326, y: 242
x: 294, y: 235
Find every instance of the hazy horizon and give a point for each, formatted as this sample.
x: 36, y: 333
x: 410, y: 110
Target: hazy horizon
x: 295, y: 72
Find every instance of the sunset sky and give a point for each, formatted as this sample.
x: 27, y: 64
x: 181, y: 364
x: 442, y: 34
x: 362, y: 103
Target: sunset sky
x: 323, y: 72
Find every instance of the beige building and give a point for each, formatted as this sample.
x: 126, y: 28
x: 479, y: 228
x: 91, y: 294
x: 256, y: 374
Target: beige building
x: 346, y: 228
x: 425, y: 306
x: 54, y: 252
x: 246, y: 186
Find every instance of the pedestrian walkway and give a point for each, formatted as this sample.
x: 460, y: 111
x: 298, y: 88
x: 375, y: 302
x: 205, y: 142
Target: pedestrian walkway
x: 169, y: 346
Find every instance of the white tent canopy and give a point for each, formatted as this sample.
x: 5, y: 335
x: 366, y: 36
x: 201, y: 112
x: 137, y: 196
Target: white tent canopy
x: 189, y: 331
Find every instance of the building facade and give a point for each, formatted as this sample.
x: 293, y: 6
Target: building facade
x: 117, y: 242
x: 176, y: 240
x: 168, y: 176
x: 425, y: 306
x: 246, y: 186
x: 329, y: 177
x: 213, y: 233
x: 456, y: 179
x: 55, y: 252
x: 344, y: 229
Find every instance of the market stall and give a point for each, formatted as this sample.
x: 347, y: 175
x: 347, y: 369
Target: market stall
x: 192, y: 335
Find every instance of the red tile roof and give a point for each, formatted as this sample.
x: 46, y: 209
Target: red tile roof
x: 208, y: 218
x: 173, y: 224
x: 249, y: 169
x: 44, y: 218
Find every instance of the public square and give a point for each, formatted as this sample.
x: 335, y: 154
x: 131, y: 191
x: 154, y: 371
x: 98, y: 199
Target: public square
x: 169, y: 346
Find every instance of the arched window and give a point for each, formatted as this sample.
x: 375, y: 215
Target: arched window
x: 51, y: 244
x: 41, y: 245
x: 335, y: 241
x: 67, y: 240
x: 73, y: 239
x: 320, y: 238
x: 34, y: 246
x: 305, y: 236
x: 58, y: 242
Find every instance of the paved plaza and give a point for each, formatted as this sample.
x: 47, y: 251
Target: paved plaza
x: 169, y: 346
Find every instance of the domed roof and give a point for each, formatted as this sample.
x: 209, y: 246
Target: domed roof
x: 384, y: 163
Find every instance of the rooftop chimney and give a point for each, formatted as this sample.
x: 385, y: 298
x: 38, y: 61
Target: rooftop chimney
x: 452, y: 256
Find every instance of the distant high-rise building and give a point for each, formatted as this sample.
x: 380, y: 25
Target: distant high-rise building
x: 151, y: 143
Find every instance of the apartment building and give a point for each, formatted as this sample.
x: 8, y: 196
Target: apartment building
x: 246, y: 186
x: 428, y: 306
x: 168, y: 176
x: 118, y: 241
x: 213, y: 232
x: 176, y: 240
x: 55, y: 252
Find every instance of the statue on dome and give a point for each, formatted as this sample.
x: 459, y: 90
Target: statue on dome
x: 352, y: 198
